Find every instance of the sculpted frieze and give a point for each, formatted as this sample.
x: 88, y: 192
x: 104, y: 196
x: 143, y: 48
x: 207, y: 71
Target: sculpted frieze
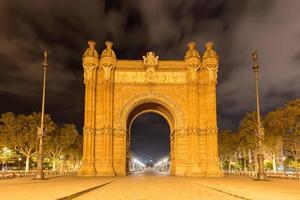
x: 150, y: 76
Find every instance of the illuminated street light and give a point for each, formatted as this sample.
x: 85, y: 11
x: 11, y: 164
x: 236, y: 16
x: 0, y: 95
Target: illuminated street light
x: 41, y: 131
x: 137, y: 164
x: 162, y: 164
x: 261, y: 175
x: 7, y: 153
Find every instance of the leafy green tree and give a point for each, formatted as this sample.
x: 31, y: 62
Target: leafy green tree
x: 282, y: 123
x: 274, y: 132
x: 291, y: 120
x: 247, y: 139
x: 6, y: 156
x: 20, y: 132
x: 293, y: 164
x: 74, y: 152
x: 59, y: 141
x: 227, y: 148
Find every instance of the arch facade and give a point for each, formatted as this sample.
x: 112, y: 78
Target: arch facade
x: 182, y: 91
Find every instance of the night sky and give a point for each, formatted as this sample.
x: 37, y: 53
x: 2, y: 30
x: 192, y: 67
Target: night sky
x: 154, y: 130
x: 136, y: 27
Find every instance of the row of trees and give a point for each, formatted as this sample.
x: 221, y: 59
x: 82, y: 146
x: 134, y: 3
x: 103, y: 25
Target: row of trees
x: 282, y: 128
x: 19, y: 133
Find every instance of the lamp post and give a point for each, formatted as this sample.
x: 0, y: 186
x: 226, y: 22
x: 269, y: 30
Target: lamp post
x: 40, y: 131
x: 261, y: 175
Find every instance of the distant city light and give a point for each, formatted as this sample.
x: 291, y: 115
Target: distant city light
x: 162, y: 162
x: 136, y: 161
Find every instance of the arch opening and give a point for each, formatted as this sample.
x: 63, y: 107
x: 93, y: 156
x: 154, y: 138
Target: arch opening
x: 149, y: 128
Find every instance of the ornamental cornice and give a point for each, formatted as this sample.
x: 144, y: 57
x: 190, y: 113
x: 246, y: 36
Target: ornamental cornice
x: 104, y: 131
x: 125, y: 84
x: 88, y: 130
x: 137, y: 65
x: 181, y: 132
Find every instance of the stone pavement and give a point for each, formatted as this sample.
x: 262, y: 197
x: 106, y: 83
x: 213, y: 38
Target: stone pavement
x: 148, y: 186
x: 52, y: 188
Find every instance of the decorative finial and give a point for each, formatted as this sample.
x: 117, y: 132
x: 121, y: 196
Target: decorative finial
x: 255, y: 64
x: 109, y: 44
x: 46, y: 54
x: 209, y: 52
x: 108, y: 52
x: 191, y: 45
x: 91, y: 51
x: 209, y: 45
x: 191, y: 52
x: 150, y: 59
x: 254, y: 56
x: 91, y: 44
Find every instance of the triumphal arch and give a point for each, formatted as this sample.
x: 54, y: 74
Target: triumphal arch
x: 182, y: 91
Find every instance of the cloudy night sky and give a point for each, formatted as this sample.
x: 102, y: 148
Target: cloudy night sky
x: 136, y: 27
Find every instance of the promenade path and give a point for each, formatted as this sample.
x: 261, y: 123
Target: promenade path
x: 148, y: 185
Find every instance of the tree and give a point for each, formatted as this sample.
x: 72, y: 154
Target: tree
x: 247, y: 139
x: 274, y: 132
x: 74, y: 152
x: 20, y: 132
x: 227, y: 148
x: 292, y: 125
x: 6, y: 155
x: 60, y: 140
x: 282, y: 123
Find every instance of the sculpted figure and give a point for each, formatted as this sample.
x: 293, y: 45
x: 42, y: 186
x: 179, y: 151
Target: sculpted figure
x: 91, y: 51
x: 192, y: 52
x: 150, y: 59
x: 88, y: 74
x: 107, y: 70
x: 209, y: 52
x: 108, y: 52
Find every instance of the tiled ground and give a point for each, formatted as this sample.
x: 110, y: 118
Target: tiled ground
x: 148, y: 186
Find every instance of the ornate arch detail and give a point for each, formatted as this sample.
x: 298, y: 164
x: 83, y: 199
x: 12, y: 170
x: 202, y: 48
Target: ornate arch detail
x: 164, y: 100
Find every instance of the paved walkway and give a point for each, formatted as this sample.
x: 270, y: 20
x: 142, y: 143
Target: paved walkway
x: 148, y: 186
x: 52, y: 188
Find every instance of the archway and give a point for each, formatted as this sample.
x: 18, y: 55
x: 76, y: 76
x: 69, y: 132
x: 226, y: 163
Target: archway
x: 149, y: 139
x: 161, y: 113
x: 182, y: 91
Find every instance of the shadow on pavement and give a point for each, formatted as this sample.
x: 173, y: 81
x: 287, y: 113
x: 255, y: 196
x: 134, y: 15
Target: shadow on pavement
x: 75, y: 195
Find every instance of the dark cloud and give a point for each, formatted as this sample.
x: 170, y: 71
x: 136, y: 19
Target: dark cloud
x: 236, y: 27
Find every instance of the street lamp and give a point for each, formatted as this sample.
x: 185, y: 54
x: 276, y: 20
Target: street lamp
x: 40, y: 130
x: 261, y: 175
